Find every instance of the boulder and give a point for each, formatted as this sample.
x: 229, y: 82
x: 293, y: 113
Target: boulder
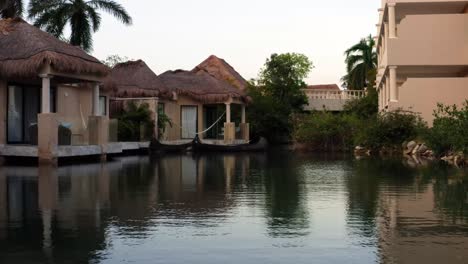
x: 411, y: 145
x: 423, y: 148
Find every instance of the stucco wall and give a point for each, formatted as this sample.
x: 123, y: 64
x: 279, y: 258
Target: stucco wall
x: 430, y: 40
x: 172, y: 110
x: 421, y: 95
x: 3, y: 111
x: 75, y: 105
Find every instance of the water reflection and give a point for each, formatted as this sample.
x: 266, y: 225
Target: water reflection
x: 271, y: 207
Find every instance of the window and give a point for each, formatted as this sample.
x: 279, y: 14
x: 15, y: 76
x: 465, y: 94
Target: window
x: 160, y: 109
x: 102, y: 105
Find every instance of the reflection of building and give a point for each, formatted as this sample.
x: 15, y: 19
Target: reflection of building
x: 422, y: 54
x: 413, y: 230
x: 70, y: 213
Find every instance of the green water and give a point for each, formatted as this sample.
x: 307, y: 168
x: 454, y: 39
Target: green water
x: 278, y: 207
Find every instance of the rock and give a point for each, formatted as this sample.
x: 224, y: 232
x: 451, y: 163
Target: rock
x: 411, y: 145
x: 423, y: 148
x: 415, y: 150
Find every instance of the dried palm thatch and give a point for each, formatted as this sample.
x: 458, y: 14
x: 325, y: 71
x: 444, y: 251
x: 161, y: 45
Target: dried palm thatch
x: 201, y: 87
x: 26, y: 50
x: 221, y: 70
x: 134, y: 79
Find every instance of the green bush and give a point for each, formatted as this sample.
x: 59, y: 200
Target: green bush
x: 365, y: 107
x: 326, y: 131
x: 132, y: 120
x: 389, y: 130
x: 450, y: 129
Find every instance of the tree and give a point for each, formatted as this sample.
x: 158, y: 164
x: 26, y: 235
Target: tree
x: 278, y: 94
x: 82, y: 16
x: 113, y: 60
x: 11, y: 8
x: 361, y: 65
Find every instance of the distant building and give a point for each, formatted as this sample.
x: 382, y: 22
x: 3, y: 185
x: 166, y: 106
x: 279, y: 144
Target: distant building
x: 329, y: 97
x: 422, y: 54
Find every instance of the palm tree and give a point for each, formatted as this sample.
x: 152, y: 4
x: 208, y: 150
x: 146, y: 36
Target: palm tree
x: 361, y: 65
x: 11, y: 8
x: 82, y: 16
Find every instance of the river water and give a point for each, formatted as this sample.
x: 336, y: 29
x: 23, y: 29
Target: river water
x: 277, y: 207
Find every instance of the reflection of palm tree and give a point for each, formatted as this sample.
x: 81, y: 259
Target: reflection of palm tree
x: 285, y: 203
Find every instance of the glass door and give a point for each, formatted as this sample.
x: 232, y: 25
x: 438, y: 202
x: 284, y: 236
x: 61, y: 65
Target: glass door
x: 15, y: 114
x: 189, y: 121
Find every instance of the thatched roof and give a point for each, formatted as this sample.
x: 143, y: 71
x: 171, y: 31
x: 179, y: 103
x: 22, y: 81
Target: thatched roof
x: 135, y: 79
x: 201, y: 86
x: 25, y: 50
x: 332, y: 87
x: 221, y: 70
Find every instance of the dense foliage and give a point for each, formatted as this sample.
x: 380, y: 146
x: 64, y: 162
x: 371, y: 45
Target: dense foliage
x: 360, y: 124
x: 278, y: 94
x: 11, y: 8
x: 450, y: 129
x: 326, y: 131
x: 365, y: 107
x: 135, y: 122
x: 83, y: 16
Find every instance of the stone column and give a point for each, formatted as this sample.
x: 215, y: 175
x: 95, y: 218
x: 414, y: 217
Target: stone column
x: 244, y: 126
x: 47, y: 138
x: 99, y: 133
x: 393, y: 84
x: 45, y: 101
x: 392, y: 20
x: 387, y: 93
x: 229, y: 127
x: 96, y: 99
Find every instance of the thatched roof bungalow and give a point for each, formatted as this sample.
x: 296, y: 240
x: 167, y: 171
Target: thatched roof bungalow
x: 200, y: 96
x: 39, y: 71
x: 134, y: 79
x: 221, y: 70
x: 27, y: 51
x: 201, y: 87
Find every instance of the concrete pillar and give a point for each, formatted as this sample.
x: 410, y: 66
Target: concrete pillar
x: 99, y: 133
x: 393, y: 84
x: 47, y: 137
x: 45, y: 103
x: 387, y: 92
x: 245, y: 131
x: 3, y: 111
x: 228, y: 113
x: 243, y: 117
x: 392, y: 20
x: 96, y: 99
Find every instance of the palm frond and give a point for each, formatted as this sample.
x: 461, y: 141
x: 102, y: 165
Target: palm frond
x: 113, y: 8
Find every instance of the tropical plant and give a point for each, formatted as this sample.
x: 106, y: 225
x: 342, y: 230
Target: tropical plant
x: 163, y: 122
x: 361, y: 65
x: 82, y: 15
x: 11, y: 8
x: 135, y: 122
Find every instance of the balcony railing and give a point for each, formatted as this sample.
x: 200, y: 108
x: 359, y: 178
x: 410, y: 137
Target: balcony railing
x: 334, y: 94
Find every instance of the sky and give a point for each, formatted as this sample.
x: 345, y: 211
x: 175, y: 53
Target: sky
x: 179, y: 34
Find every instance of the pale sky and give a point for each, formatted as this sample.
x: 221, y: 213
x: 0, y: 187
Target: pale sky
x: 179, y: 34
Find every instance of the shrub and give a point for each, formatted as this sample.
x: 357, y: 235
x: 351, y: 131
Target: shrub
x: 389, y: 129
x: 326, y: 131
x: 365, y: 107
x: 132, y: 119
x: 450, y: 129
